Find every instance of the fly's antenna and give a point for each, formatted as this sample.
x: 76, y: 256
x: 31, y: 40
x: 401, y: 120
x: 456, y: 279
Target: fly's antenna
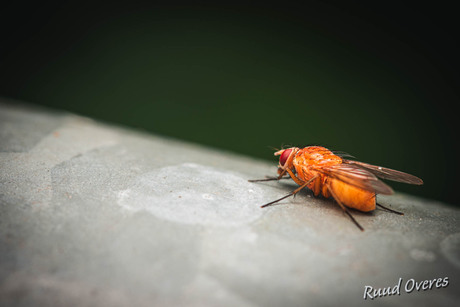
x: 273, y: 148
x: 283, y: 146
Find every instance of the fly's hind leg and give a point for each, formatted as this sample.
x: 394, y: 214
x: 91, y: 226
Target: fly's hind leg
x: 344, y: 208
x: 389, y: 210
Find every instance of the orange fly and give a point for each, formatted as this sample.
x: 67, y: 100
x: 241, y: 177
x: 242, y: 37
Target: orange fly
x: 351, y: 183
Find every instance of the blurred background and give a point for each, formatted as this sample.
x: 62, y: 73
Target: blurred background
x: 379, y: 81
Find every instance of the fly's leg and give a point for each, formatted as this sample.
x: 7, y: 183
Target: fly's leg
x: 389, y: 210
x: 296, y: 179
x: 269, y: 179
x: 344, y: 208
x: 303, y: 185
x: 281, y: 176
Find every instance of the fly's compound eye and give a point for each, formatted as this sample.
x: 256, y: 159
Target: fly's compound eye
x: 284, y: 156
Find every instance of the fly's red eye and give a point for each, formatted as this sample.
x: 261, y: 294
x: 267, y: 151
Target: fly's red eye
x: 285, y: 156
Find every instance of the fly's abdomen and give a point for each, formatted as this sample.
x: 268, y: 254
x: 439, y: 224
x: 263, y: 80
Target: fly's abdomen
x: 352, y: 196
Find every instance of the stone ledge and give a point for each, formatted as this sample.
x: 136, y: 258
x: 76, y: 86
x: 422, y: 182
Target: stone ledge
x: 97, y: 215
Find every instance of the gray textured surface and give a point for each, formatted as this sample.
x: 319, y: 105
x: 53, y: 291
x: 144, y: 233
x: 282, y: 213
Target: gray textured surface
x: 95, y: 215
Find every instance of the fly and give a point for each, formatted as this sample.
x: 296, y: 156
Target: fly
x: 352, y: 184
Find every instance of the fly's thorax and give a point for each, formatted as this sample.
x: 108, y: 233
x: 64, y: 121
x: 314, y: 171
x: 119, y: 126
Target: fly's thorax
x: 308, y: 163
x: 305, y: 173
x: 316, y: 156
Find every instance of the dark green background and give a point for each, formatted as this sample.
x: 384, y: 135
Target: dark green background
x: 377, y: 81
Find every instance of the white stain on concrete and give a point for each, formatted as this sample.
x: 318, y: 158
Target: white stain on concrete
x: 422, y: 255
x: 194, y: 194
x: 450, y: 248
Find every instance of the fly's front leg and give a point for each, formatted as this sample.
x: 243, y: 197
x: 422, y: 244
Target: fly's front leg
x: 296, y: 179
x: 281, y: 176
x: 269, y: 179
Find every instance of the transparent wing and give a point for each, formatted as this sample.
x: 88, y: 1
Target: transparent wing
x: 342, y: 154
x: 356, y: 176
x: 386, y: 173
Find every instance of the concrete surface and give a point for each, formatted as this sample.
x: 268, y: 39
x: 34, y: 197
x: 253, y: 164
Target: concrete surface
x: 96, y: 215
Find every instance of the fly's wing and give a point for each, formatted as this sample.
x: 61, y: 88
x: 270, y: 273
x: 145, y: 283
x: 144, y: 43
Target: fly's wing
x: 356, y: 176
x: 386, y: 173
x: 342, y: 154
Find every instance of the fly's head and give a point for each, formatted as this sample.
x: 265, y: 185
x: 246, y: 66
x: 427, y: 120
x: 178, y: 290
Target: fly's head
x: 286, y: 158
